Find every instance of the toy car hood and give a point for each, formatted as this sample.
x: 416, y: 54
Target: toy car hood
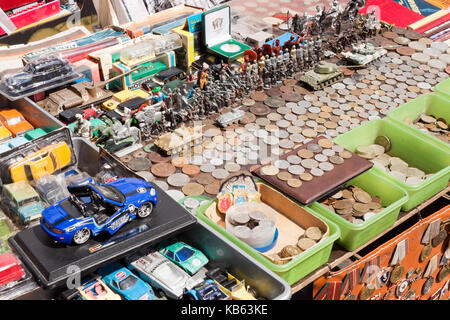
x: 58, y: 217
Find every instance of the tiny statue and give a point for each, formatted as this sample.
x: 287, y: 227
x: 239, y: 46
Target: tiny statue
x: 239, y: 194
x: 254, y: 197
x: 157, y: 95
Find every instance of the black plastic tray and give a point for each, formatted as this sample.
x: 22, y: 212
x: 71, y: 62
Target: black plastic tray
x: 49, y: 261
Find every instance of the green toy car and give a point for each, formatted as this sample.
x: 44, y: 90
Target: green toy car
x: 35, y: 133
x: 23, y: 200
x: 185, y: 256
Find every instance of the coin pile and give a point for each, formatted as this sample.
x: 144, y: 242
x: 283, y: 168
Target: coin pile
x: 435, y: 126
x: 313, y: 161
x: 395, y: 166
x: 354, y: 204
x: 307, y: 240
x: 251, y: 220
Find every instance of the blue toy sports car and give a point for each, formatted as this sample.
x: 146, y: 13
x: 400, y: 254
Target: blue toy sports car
x: 94, y: 208
x: 125, y: 283
x: 208, y: 290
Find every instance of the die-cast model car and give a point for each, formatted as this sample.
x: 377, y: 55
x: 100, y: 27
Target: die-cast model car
x: 187, y: 257
x: 14, y: 121
x: 163, y: 274
x: 96, y: 289
x: 23, y: 200
x: 5, y: 134
x: 125, y: 283
x: 208, y: 290
x: 10, y: 270
x: 96, y: 208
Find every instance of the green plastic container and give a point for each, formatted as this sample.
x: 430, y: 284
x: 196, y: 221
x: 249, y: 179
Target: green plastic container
x: 355, y: 235
x: 408, y: 145
x: 200, y: 199
x: 430, y: 104
x: 443, y: 88
x: 298, y: 267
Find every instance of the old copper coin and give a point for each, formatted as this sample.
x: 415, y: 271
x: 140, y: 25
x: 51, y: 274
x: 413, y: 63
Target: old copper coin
x: 390, y: 35
x: 336, y: 159
x: 366, y: 292
x: 439, y: 238
x: 191, y: 170
x: 412, y: 35
x: 259, y: 96
x: 397, y: 274
x: 248, y: 102
x: 155, y: 157
x: 343, y: 204
x: 300, y: 89
x: 290, y: 251
x: 269, y: 170
x: 305, y: 153
x: 290, y: 82
x: 284, y: 176
x: 347, y: 71
x: 193, y: 189
x: 398, y: 30
x: 163, y: 169
x: 213, y: 188
x: 274, y: 92
x: 139, y: 164
x: 292, y: 96
x: 362, y: 196
x: 248, y: 118
x: 306, y: 176
x: 179, y: 162
x: 125, y: 159
x: 345, y: 154
x: 405, y: 51
x: 425, y: 253
x: 325, y: 143
x: 205, y: 178
x: 313, y: 233
x: 286, y: 89
x: 260, y: 109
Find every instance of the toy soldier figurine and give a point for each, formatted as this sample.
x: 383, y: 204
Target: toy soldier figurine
x: 281, y: 68
x: 266, y: 76
x: 306, y: 57
x: 371, y: 24
x: 299, y: 54
x: 248, y: 79
x: 254, y: 75
x: 311, y: 55
x: 157, y: 95
x: 203, y: 79
x: 189, y: 75
x: 318, y: 48
x: 293, y: 56
x: 289, y: 65
x: 277, y: 48
x: 82, y: 127
x: 261, y: 66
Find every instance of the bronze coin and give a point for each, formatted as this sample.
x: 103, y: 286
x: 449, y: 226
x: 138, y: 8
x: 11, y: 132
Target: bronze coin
x: 363, y: 197
x: 126, y: 159
x: 213, y: 188
x: 260, y: 109
x: 425, y: 253
x: 439, y: 238
x: 389, y: 45
x: 292, y: 96
x: 193, y: 189
x: 191, y: 170
x: 306, y: 176
x: 345, y: 154
x: 305, y: 153
x: 205, y: 178
x: 274, y: 92
x: 163, y: 169
x: 248, y: 102
x: 286, y: 89
x: 139, y: 164
x: 398, y: 30
x: 179, y: 162
x: 412, y: 35
x: 300, y: 90
x: 336, y: 159
x: 259, y: 96
x: 347, y: 71
x: 155, y: 157
x: 390, y: 35
x: 397, y: 274
x: 405, y: 51
x: 248, y: 118
x: 290, y: 82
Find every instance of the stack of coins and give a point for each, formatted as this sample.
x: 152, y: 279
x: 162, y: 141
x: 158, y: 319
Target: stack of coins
x: 307, y: 240
x: 251, y: 220
x: 354, y: 204
x: 395, y: 166
x: 437, y: 127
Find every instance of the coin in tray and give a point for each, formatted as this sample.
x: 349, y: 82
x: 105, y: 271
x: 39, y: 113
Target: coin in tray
x: 313, y: 169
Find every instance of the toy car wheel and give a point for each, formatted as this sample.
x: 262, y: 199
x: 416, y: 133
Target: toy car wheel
x: 81, y: 236
x: 145, y: 209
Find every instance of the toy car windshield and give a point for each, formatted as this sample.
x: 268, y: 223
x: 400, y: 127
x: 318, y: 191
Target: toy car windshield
x: 127, y: 283
x: 14, y: 121
x: 184, y: 254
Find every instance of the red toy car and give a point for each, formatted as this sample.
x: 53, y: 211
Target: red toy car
x: 10, y: 269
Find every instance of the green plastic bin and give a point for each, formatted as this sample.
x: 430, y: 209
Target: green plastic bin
x: 430, y: 104
x: 443, y: 88
x: 412, y: 148
x: 355, y: 235
x: 298, y: 267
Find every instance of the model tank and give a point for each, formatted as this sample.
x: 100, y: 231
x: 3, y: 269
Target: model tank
x: 364, y: 54
x: 234, y: 116
x: 323, y: 74
x: 180, y: 139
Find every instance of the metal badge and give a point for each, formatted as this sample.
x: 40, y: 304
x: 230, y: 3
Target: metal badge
x: 401, y: 288
x: 427, y: 285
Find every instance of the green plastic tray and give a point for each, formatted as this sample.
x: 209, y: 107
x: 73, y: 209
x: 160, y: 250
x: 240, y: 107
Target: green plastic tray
x: 198, y: 198
x: 298, y: 267
x: 430, y: 104
x: 443, y: 88
x: 355, y: 235
x: 412, y: 148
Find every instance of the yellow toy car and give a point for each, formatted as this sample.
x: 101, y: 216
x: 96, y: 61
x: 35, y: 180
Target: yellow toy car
x: 5, y: 134
x: 234, y: 288
x: 123, y: 96
x: 41, y: 163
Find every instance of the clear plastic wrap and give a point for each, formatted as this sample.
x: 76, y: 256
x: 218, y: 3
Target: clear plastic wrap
x: 38, y: 75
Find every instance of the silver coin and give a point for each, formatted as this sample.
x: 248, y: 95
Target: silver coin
x: 424, y: 85
x: 309, y: 163
x: 274, y: 116
x: 242, y: 161
x: 178, y: 179
x: 251, y: 127
x: 261, y: 133
x: 232, y: 167
x: 314, y: 147
x: 296, y: 137
x: 293, y: 159
x: 441, y: 46
x: 162, y: 184
x: 282, y: 133
x: 316, y: 172
x: 262, y: 122
x: 321, y: 157
x: 299, y: 110
x: 191, y: 203
x: 291, y: 105
x: 220, y: 173
x: 286, y: 144
x: 276, y: 151
x: 337, y: 148
x: 271, y: 140
x: 416, y: 45
x: 281, y: 164
x: 328, y: 152
x: 197, y: 160
x: 283, y: 123
x: 420, y: 57
x: 175, y: 194
x: 311, y: 123
x: 432, y: 52
x: 314, y: 110
x: 216, y: 161
x: 295, y: 129
x: 290, y: 117
x: 296, y: 169
x: 283, y: 110
x: 437, y: 64
x: 326, y: 166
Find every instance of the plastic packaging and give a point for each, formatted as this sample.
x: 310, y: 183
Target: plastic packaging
x: 253, y: 223
x: 38, y: 75
x: 52, y: 188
